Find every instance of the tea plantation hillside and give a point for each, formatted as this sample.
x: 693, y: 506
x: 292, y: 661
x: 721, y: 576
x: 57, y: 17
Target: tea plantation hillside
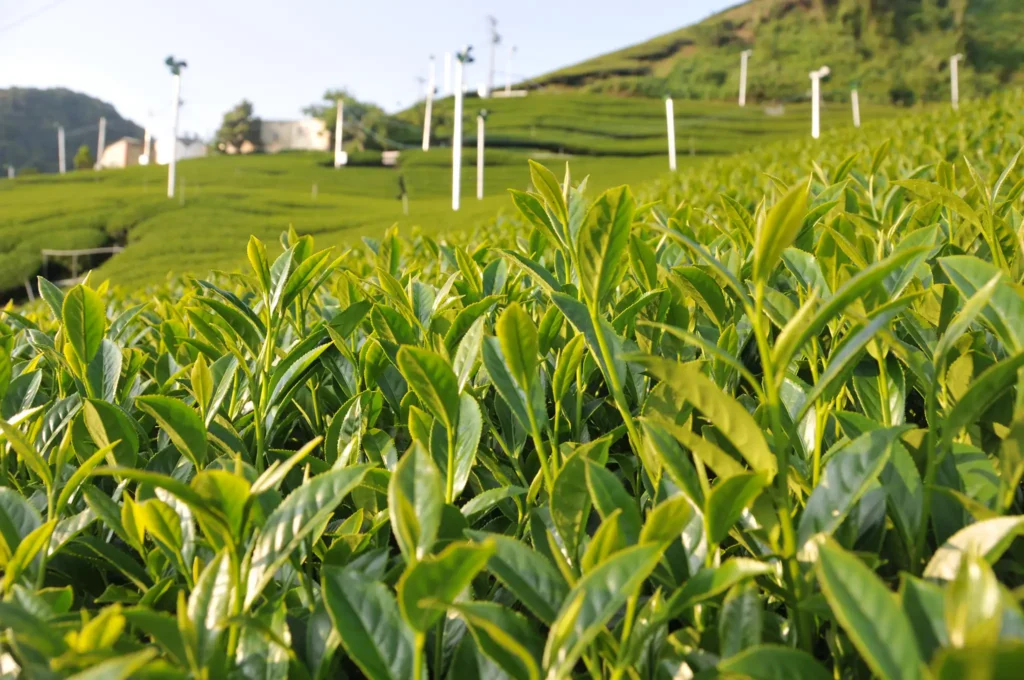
x: 763, y: 418
x: 222, y: 199
x: 896, y: 50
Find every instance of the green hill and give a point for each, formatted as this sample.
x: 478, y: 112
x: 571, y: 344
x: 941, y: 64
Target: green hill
x: 28, y: 125
x: 226, y: 198
x: 898, y: 50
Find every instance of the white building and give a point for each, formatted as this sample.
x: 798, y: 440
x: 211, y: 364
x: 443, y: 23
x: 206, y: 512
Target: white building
x: 122, y: 153
x: 308, y: 134
x: 187, y: 148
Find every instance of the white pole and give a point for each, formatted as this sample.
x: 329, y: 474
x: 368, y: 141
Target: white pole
x: 10, y: 172
x: 173, y: 166
x: 816, y: 77
x: 429, y: 106
x: 340, y: 157
x: 744, y: 55
x: 457, y: 137
x: 855, y: 103
x: 670, y: 120
x: 815, y: 105
x: 447, y: 72
x: 147, y: 140
x: 61, y: 164
x: 954, y: 80
x: 480, y: 156
x: 101, y: 142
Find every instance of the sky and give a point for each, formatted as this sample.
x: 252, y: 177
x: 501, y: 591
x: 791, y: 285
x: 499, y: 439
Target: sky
x: 283, y: 55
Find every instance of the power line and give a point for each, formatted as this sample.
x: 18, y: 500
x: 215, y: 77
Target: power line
x: 31, y: 15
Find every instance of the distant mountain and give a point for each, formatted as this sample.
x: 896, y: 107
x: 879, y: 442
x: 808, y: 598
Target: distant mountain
x: 28, y: 126
x: 897, y: 50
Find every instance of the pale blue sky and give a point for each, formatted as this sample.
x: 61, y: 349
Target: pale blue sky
x: 283, y: 54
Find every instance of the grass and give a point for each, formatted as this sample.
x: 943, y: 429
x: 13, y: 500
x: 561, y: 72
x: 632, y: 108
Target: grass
x: 615, y: 436
x: 222, y: 199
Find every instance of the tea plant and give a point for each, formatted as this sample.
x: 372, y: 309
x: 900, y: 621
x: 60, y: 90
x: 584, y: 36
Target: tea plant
x: 779, y: 436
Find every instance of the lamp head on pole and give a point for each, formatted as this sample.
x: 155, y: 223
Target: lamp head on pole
x: 747, y: 53
x: 174, y: 65
x: 466, y: 55
x: 822, y: 72
x: 957, y: 57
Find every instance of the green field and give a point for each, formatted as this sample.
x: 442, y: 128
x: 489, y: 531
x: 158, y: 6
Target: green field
x: 224, y: 199
x: 762, y: 419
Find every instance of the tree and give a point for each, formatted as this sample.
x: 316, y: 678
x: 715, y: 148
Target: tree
x: 83, y: 158
x: 239, y: 126
x: 367, y: 126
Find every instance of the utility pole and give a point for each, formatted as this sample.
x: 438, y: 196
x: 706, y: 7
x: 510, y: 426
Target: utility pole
x: 101, y: 142
x: 10, y: 172
x: 508, y: 70
x: 447, y: 72
x: 147, y: 152
x: 954, y: 80
x: 481, y: 119
x: 175, y: 67
x: 670, y: 120
x: 816, y: 77
x: 429, y: 105
x: 462, y: 58
x: 61, y: 164
x: 744, y: 56
x: 495, y: 40
x: 340, y: 157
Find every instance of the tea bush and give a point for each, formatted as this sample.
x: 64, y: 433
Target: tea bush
x: 762, y: 425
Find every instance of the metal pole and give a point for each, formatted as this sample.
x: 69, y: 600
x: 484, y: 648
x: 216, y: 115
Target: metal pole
x: 147, y: 152
x: 855, y: 103
x: 480, y: 156
x: 429, y: 106
x: 670, y: 121
x: 101, y: 142
x: 61, y: 163
x: 173, y: 166
x: 340, y: 157
x: 744, y: 55
x: 954, y: 80
x: 457, y: 137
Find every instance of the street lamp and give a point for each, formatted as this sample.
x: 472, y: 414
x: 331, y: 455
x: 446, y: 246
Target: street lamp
x: 175, y: 68
x: 461, y: 59
x: 816, y: 77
